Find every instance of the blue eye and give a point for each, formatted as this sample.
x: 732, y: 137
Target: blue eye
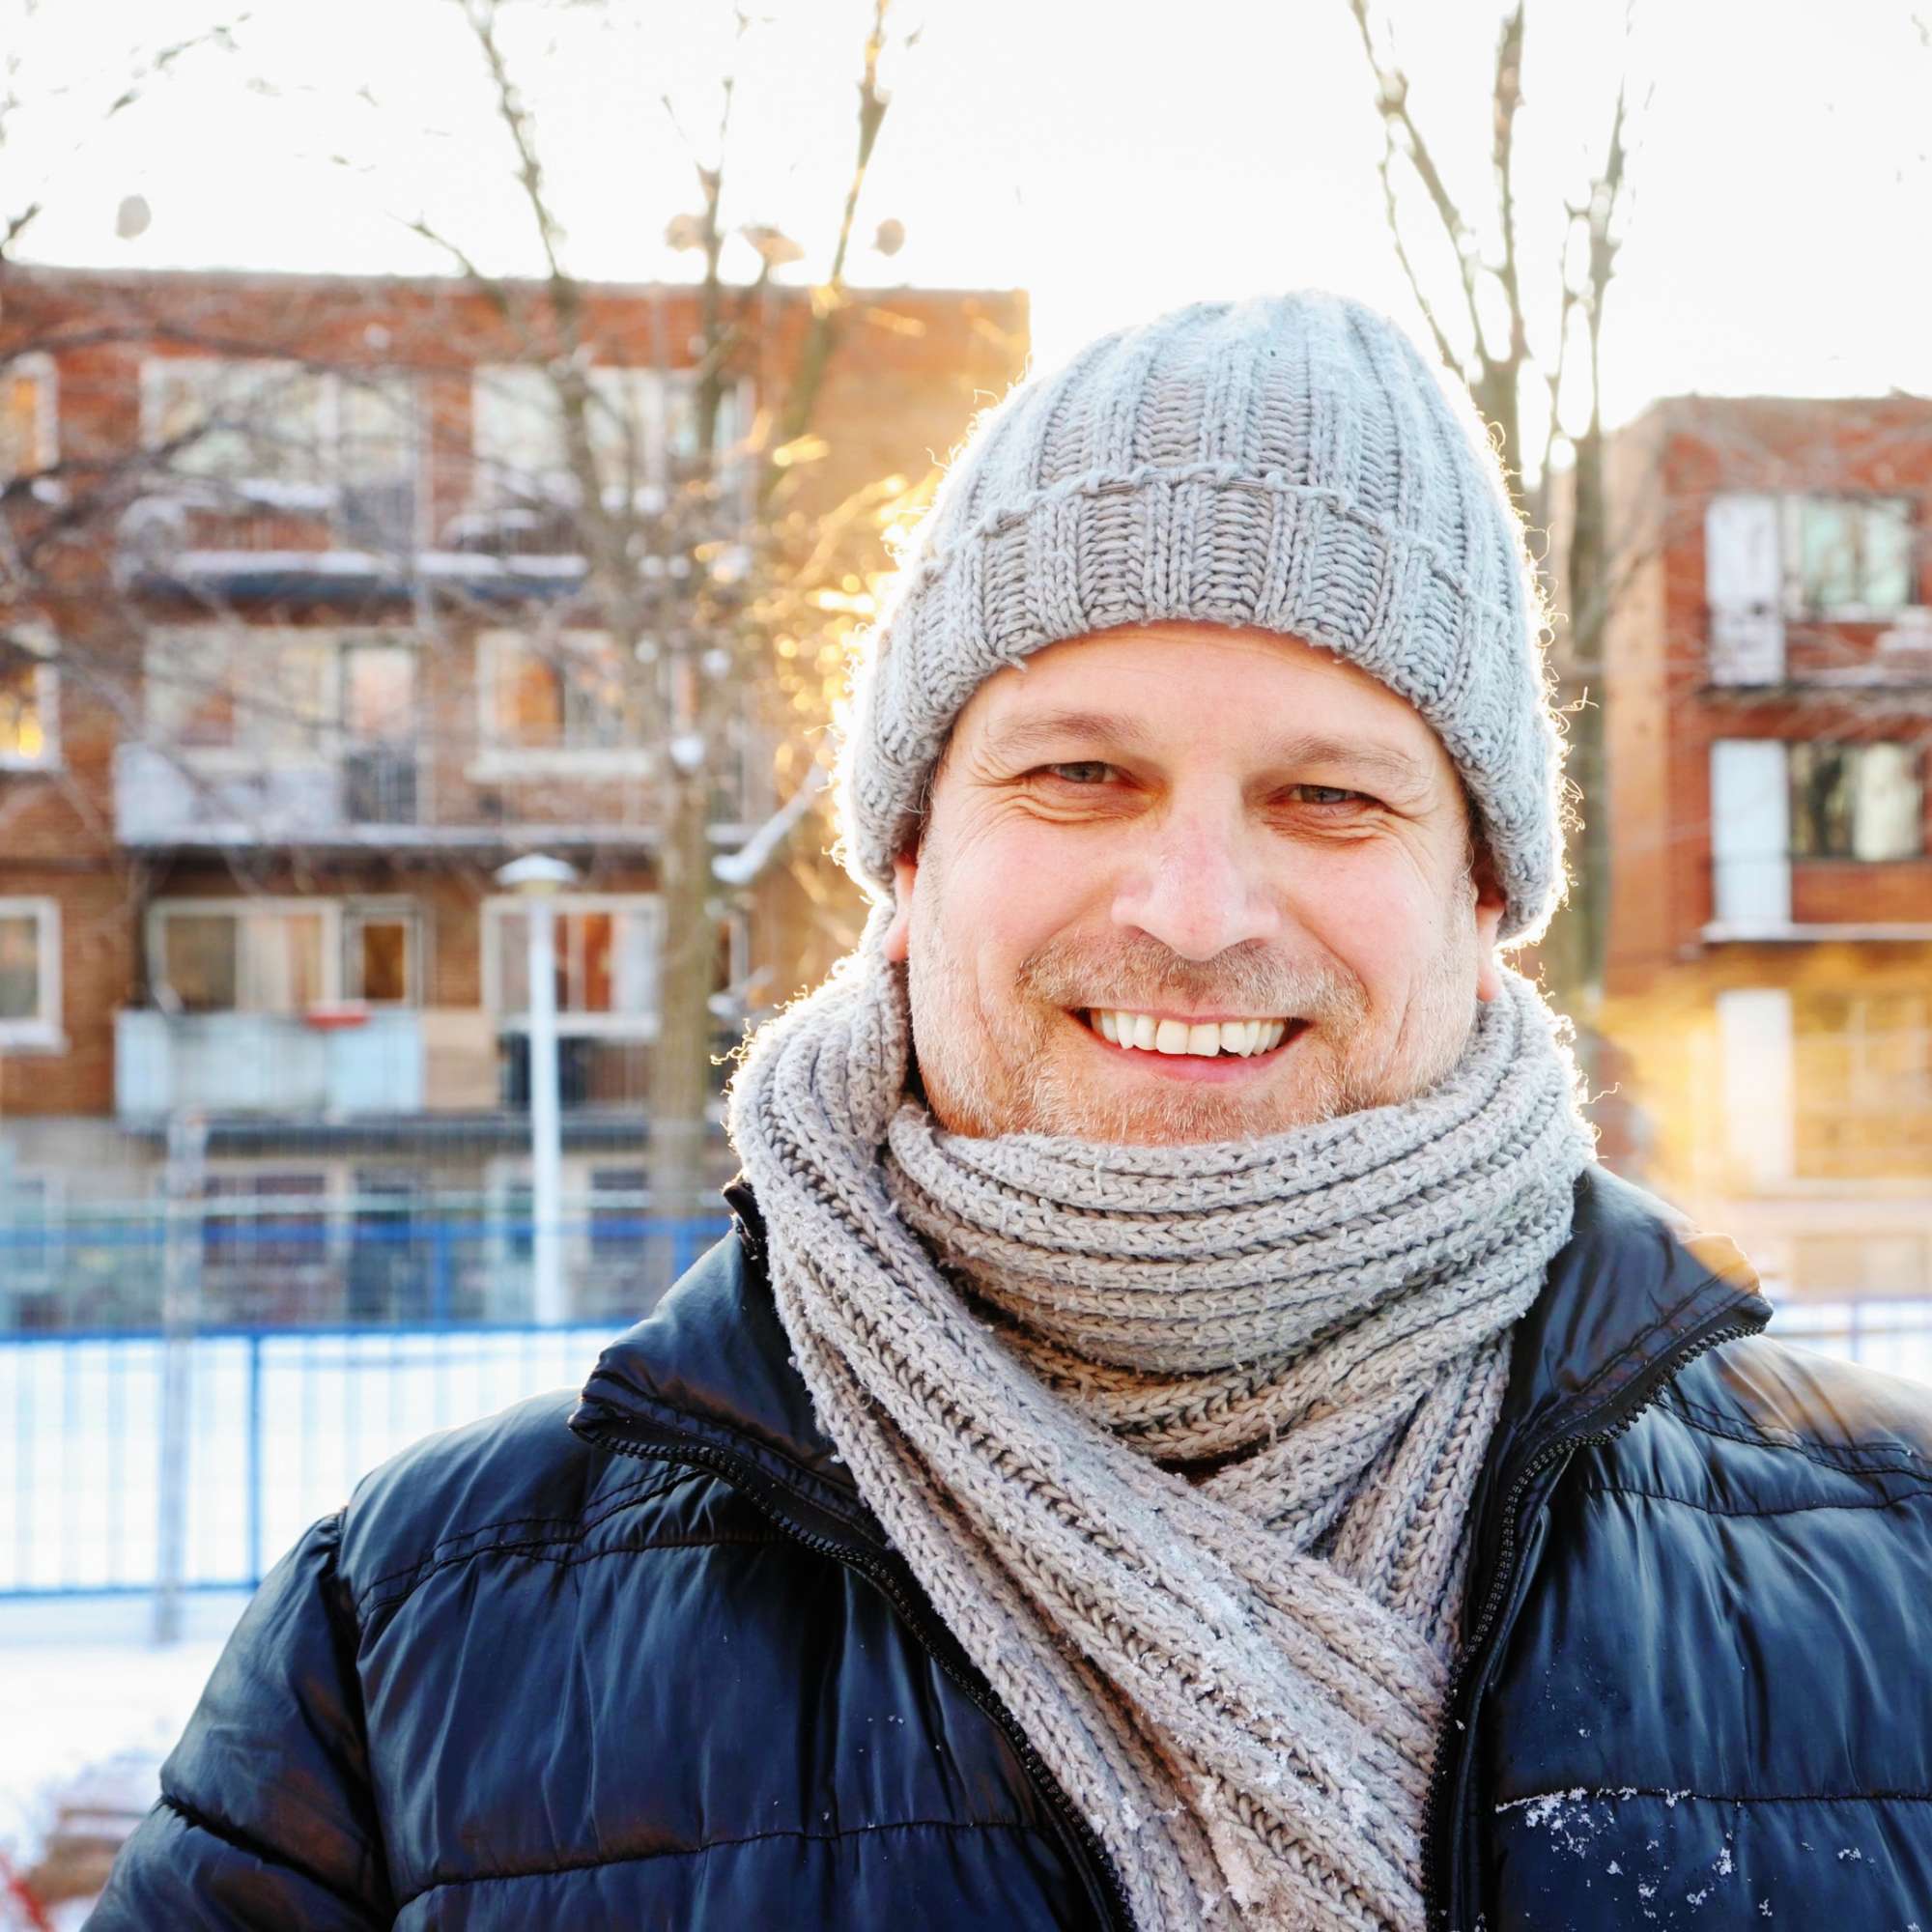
x: 1081, y: 771
x: 1334, y: 795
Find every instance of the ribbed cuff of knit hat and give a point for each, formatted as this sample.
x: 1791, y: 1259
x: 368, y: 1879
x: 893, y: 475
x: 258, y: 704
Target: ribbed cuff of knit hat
x: 1290, y: 465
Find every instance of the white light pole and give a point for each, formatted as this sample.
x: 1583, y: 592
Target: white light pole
x: 537, y: 880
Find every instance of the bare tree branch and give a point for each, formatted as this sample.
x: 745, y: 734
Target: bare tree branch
x: 829, y: 297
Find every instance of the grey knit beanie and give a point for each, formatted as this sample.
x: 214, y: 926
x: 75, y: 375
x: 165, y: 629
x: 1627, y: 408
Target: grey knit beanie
x: 1294, y: 464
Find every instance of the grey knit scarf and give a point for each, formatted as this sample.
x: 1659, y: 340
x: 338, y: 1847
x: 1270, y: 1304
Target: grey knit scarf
x: 1181, y: 1442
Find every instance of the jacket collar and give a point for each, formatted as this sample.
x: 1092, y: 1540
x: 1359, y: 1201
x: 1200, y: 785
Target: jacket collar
x: 712, y: 1367
x: 1633, y: 1285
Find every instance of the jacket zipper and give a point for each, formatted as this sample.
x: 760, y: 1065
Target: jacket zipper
x: 1465, y: 1677
x: 935, y: 1638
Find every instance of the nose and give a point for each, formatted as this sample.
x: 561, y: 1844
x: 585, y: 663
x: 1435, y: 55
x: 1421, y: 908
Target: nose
x: 1197, y: 887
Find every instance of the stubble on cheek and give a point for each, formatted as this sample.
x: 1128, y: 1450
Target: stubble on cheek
x: 1002, y: 1062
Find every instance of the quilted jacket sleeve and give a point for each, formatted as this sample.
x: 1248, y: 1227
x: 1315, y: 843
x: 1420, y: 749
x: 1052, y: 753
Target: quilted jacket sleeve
x: 265, y: 1818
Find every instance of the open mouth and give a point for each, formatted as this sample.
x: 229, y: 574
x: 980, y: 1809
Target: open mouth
x: 1198, y: 1039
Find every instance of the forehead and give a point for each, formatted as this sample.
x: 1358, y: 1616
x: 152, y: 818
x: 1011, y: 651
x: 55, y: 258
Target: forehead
x: 1176, y: 688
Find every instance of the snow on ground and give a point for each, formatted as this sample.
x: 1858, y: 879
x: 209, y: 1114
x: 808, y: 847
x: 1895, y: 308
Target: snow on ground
x: 279, y: 1429
x: 81, y: 1687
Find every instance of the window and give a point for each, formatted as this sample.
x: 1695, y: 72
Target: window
x: 1856, y: 802
x: 1768, y: 559
x: 269, y: 692
x: 379, y: 690
x: 1845, y: 1267
x: 247, y: 957
x: 285, y: 436
x: 382, y: 947
x: 1848, y: 554
x: 389, y: 1246
x: 1750, y: 833
x: 617, y: 1212
x: 29, y: 700
x: 641, y: 425
x: 512, y: 1217
x: 1755, y: 1070
x: 27, y: 439
x: 280, y: 1220
x: 263, y: 689
x: 31, y: 1228
x: 379, y: 760
x: 30, y: 988
x: 606, y: 962
x: 572, y: 692
x: 1862, y: 1084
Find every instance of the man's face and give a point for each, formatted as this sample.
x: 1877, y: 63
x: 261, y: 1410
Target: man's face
x: 1196, y: 828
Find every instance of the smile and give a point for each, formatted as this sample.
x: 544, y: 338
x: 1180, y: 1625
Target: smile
x: 1199, y: 1039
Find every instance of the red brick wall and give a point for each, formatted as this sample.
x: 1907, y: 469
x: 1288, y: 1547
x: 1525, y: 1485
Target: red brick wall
x: 909, y: 370
x: 1662, y: 713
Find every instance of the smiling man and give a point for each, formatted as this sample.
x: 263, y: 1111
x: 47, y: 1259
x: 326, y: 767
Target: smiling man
x: 1183, y: 1434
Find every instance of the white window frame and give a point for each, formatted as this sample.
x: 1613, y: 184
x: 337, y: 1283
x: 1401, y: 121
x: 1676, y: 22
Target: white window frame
x: 332, y: 736
x: 41, y: 641
x: 158, y: 911
x: 1756, y: 1079
x: 1914, y: 761
x: 165, y: 638
x: 327, y: 1206
x: 1744, y: 587
x: 381, y: 910
x: 651, y: 390
x: 40, y: 369
x: 322, y: 493
x: 609, y: 1026
x: 1859, y: 1038
x: 1792, y: 507
x: 43, y: 1029
x: 498, y: 759
x: 1751, y: 835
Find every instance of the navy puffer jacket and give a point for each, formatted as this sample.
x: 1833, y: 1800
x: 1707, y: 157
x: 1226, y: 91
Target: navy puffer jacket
x: 646, y: 1660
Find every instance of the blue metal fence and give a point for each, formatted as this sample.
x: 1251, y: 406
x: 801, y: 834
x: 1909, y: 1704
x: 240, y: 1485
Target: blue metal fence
x: 143, y: 1458
x: 268, y: 1260
x: 141, y: 1461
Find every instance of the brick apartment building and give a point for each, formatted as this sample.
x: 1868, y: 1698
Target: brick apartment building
x: 1769, y: 717
x: 304, y: 659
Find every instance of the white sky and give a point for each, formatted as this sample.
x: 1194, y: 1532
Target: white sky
x: 1113, y: 158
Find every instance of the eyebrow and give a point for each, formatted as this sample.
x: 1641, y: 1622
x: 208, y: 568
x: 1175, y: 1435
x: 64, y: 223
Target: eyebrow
x: 1048, y: 729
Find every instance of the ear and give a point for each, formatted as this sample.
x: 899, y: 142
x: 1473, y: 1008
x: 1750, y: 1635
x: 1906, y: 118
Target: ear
x: 1491, y: 902
x: 898, y: 935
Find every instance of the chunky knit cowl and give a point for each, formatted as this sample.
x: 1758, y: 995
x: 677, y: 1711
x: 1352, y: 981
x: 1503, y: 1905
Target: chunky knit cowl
x: 1180, y: 1440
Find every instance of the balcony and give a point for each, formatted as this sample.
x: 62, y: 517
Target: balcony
x: 382, y: 795
x: 163, y: 797
x: 383, y: 1062
x: 593, y: 1070
x: 389, y: 1062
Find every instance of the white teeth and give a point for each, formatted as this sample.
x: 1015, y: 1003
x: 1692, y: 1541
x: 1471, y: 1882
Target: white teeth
x: 1205, y: 1041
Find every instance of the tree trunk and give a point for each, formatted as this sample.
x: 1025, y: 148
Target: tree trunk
x: 680, y: 1074
x: 1574, y: 951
